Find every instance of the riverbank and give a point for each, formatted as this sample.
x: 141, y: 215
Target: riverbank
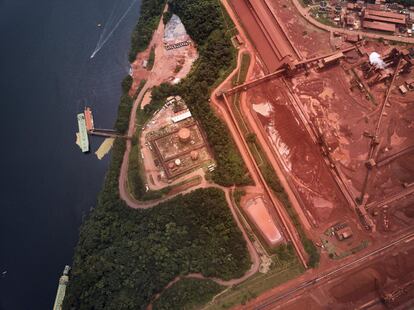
x: 174, y: 238
x: 48, y: 185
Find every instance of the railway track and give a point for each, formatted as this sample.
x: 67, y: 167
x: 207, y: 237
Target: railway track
x: 288, y: 227
x: 395, y: 156
x: 270, y: 26
x: 290, y: 47
x: 265, y: 32
x: 270, y: 302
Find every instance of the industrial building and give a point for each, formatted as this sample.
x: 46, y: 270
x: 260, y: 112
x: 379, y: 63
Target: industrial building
x: 378, y: 16
x: 180, y: 117
x: 343, y: 233
x: 384, y: 16
x: 379, y: 26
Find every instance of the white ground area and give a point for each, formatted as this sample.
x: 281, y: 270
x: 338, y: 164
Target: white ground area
x: 264, y: 109
x: 175, y: 31
x: 257, y: 210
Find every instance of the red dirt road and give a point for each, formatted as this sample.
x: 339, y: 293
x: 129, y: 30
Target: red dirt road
x: 154, y: 79
x: 227, y: 115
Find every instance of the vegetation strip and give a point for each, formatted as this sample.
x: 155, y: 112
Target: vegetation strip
x: 125, y: 256
x: 267, y: 170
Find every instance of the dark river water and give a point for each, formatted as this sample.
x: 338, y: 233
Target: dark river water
x: 47, y: 185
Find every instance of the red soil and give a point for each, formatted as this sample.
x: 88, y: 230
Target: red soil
x: 301, y: 157
x: 308, y: 39
x: 264, y: 31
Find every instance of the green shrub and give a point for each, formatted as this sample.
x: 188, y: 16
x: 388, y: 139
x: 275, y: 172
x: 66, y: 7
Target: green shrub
x: 150, y: 13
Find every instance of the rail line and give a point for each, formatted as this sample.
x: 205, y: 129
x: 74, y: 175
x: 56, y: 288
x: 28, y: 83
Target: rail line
x: 270, y: 302
x: 265, y: 31
x: 392, y: 157
x: 290, y: 48
x: 282, y: 216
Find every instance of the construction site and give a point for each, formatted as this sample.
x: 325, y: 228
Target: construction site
x: 334, y: 115
x: 175, y: 54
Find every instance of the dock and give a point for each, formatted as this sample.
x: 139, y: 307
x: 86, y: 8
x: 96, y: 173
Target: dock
x: 87, y: 127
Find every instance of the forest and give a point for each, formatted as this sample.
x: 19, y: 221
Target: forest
x: 150, y: 14
x: 216, y: 56
x: 125, y: 256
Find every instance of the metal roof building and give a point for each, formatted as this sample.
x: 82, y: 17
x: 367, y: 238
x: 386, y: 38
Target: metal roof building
x: 384, y: 16
x: 379, y: 26
x: 181, y: 117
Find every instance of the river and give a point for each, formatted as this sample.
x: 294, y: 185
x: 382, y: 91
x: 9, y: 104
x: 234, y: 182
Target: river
x: 47, y: 185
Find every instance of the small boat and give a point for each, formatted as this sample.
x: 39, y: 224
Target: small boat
x: 4, y: 273
x: 99, y: 25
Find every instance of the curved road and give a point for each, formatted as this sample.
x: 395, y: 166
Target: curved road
x: 227, y: 114
x: 306, y: 15
x: 133, y: 203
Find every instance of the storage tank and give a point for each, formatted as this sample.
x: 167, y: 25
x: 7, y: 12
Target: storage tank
x: 184, y: 135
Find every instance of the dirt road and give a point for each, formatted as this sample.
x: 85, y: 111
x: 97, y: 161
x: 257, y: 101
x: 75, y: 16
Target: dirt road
x: 270, y: 153
x: 154, y: 79
x: 226, y: 112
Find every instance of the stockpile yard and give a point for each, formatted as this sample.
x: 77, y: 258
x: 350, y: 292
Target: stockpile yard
x: 368, y: 137
x: 337, y: 119
x: 331, y: 111
x: 299, y: 155
x: 341, y: 127
x: 308, y: 39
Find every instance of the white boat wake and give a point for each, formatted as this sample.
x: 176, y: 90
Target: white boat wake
x: 112, y: 24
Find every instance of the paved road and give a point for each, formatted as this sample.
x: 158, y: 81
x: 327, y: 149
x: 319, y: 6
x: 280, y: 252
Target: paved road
x: 305, y: 14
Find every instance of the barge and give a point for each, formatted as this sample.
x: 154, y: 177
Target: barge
x: 83, y: 133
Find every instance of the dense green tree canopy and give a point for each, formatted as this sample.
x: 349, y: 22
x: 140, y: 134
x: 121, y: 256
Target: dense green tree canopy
x: 125, y: 256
